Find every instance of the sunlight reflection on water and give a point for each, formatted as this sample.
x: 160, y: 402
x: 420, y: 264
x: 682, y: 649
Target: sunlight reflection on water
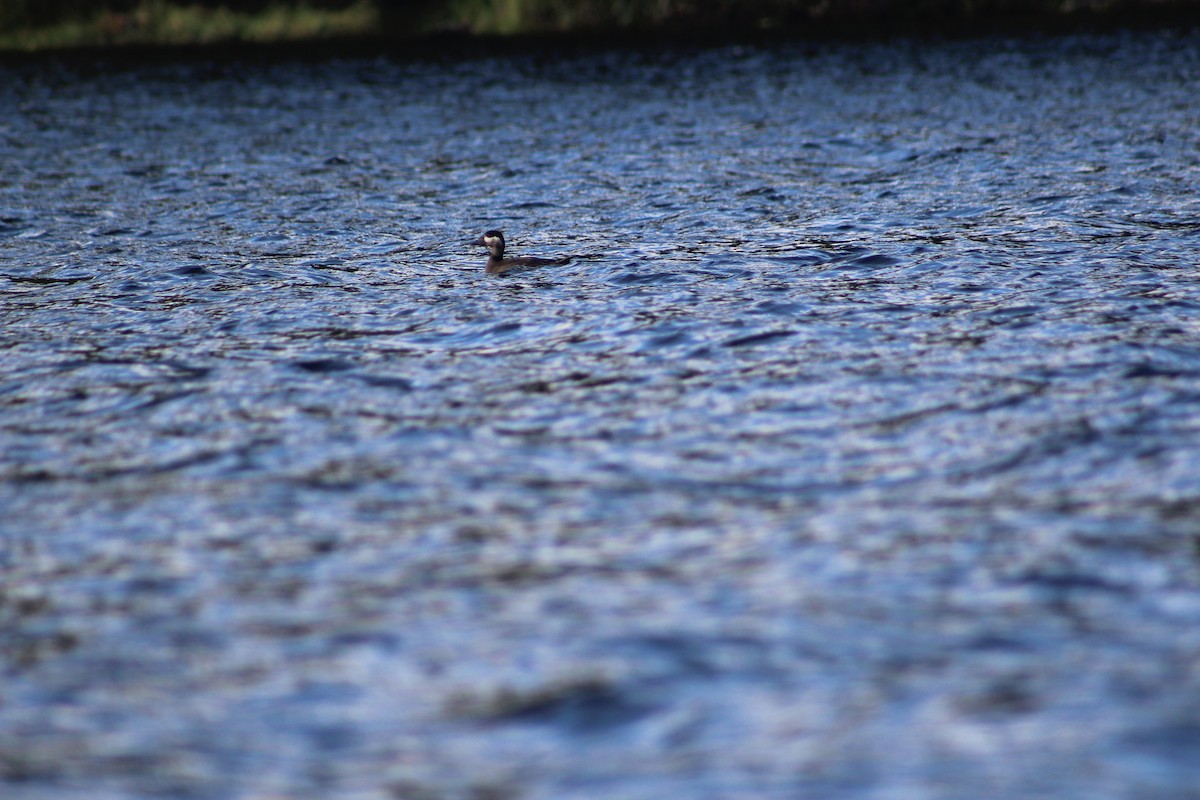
x: 853, y: 454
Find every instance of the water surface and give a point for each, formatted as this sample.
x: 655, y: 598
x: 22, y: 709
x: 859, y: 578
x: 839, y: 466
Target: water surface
x: 855, y: 455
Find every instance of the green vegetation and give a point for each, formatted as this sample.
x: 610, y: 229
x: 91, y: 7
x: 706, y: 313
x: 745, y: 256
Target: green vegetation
x: 162, y: 22
x: 42, y: 24
x: 734, y: 16
x: 748, y: 16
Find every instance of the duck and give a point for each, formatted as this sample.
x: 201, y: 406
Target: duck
x: 497, y: 263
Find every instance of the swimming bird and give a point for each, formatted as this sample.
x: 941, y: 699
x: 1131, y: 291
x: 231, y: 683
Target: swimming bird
x: 497, y: 263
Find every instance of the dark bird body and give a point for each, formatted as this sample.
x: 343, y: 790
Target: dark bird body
x: 497, y: 263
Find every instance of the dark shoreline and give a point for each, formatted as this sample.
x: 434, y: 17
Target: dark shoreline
x: 462, y: 45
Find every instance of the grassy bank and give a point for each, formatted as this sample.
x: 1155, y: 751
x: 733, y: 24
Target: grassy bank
x: 169, y: 22
x: 750, y: 16
x: 55, y: 24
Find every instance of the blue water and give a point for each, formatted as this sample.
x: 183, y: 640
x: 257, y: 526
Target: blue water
x: 854, y: 455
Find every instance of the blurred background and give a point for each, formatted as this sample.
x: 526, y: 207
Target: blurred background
x: 36, y: 24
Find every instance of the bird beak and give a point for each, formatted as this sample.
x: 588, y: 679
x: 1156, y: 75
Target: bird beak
x: 479, y: 242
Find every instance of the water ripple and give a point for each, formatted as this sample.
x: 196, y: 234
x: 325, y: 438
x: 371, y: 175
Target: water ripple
x: 864, y: 412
